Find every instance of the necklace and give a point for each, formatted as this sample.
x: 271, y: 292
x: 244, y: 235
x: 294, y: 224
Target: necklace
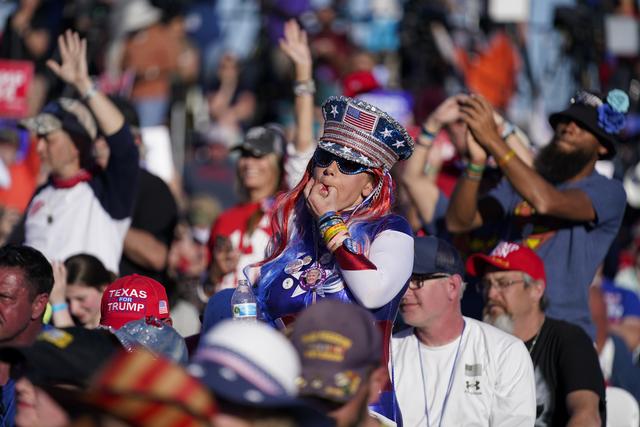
x: 451, y: 375
x: 535, y: 339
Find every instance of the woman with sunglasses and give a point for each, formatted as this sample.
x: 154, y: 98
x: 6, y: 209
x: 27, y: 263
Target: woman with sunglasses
x: 334, y: 235
x: 268, y: 164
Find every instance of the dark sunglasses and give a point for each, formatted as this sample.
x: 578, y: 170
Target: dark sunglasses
x: 324, y: 158
x: 254, y: 154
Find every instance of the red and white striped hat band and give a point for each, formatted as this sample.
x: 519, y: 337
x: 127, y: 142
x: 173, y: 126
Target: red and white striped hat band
x: 360, y: 132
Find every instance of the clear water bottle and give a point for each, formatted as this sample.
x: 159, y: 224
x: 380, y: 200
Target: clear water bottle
x: 243, y: 303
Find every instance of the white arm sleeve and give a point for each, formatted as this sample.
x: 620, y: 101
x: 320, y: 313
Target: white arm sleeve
x: 392, y: 254
x: 295, y: 164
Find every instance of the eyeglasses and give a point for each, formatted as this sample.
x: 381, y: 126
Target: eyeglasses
x: 323, y: 159
x: 484, y: 286
x: 416, y: 284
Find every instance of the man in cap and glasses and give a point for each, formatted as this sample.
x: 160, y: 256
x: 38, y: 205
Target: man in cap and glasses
x: 81, y: 209
x: 448, y: 369
x: 569, y: 382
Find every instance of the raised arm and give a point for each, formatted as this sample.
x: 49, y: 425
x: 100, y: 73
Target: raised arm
x: 571, y: 204
x: 117, y: 186
x: 464, y: 212
x: 73, y: 70
x: 418, y: 178
x: 296, y: 47
x: 421, y: 168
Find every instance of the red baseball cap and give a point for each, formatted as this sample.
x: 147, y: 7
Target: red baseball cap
x: 359, y: 82
x: 508, y: 256
x: 133, y: 297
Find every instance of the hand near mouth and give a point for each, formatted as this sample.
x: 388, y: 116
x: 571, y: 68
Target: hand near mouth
x: 320, y: 198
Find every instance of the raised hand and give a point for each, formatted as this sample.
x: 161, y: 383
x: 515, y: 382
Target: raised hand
x: 478, y: 115
x: 477, y: 154
x: 446, y: 113
x: 295, y: 46
x: 73, y: 69
x: 58, y: 293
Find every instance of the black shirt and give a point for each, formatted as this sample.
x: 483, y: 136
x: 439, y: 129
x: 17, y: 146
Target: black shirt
x: 155, y: 212
x: 564, y: 360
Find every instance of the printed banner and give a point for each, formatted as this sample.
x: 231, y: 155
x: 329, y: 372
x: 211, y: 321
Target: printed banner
x: 15, y: 80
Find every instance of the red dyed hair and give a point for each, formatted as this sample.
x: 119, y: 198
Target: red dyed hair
x: 284, y: 205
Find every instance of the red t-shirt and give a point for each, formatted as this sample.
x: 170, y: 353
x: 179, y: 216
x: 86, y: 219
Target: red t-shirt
x: 233, y: 225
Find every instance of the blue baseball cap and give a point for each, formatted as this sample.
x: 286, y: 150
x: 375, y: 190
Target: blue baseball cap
x: 435, y: 256
x: 218, y: 309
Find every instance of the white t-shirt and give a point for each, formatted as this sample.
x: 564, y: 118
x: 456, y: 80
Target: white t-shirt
x: 492, y: 384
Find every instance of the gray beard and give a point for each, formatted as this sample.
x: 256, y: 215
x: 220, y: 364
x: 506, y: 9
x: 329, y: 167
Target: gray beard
x: 504, y: 322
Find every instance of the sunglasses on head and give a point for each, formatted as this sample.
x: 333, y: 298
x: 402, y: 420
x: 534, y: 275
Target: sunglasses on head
x: 324, y: 158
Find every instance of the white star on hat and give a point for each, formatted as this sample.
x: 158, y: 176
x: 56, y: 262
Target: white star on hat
x: 346, y: 150
x: 398, y: 143
x: 334, y: 111
x: 386, y: 133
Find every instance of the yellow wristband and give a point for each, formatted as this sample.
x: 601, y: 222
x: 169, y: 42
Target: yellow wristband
x: 333, y: 231
x: 506, y: 158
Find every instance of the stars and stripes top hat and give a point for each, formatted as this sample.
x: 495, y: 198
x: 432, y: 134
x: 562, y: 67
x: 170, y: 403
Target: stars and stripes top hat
x: 358, y: 131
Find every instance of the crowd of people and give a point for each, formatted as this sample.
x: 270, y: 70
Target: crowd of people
x: 418, y: 255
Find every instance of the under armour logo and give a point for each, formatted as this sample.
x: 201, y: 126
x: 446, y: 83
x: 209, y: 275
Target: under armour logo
x: 472, y: 386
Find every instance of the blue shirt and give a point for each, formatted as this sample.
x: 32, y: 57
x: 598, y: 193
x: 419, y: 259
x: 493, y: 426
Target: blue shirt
x: 571, y: 250
x: 621, y: 302
x: 8, y: 404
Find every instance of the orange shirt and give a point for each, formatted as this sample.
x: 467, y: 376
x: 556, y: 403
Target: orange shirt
x: 492, y: 73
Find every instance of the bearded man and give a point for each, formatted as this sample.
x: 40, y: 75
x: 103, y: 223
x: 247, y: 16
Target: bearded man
x: 569, y: 382
x: 561, y: 207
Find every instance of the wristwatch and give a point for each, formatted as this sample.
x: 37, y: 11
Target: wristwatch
x: 507, y: 129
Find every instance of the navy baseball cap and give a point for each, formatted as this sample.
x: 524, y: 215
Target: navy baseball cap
x: 218, y: 309
x: 435, y: 256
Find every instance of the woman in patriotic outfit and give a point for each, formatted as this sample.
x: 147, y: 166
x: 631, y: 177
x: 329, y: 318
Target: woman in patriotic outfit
x: 334, y: 235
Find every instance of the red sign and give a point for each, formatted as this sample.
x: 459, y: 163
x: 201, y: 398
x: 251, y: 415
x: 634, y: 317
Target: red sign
x: 15, y: 80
